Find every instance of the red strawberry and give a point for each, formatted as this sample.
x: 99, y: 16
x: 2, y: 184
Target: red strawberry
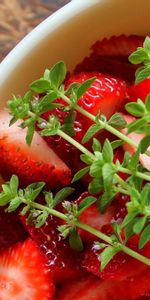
x: 111, y: 56
x: 92, y: 216
x: 106, y: 95
x: 23, y: 275
x: 11, y: 229
x: 120, y: 267
x: 140, y: 90
x: 92, y: 288
x: 35, y: 163
x: 62, y: 262
x: 118, y: 45
x: 136, y: 137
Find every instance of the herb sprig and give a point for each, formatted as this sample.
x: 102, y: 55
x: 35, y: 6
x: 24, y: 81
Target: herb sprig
x: 106, y: 182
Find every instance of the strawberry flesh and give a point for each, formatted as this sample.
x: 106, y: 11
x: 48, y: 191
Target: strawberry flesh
x: 31, y: 163
x: 140, y: 90
x: 23, y: 274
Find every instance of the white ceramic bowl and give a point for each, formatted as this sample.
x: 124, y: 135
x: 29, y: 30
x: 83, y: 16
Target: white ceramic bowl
x: 67, y: 35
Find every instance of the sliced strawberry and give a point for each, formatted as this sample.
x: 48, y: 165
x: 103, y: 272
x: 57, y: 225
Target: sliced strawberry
x: 23, y: 274
x: 110, y: 56
x: 11, y: 229
x: 106, y: 95
x: 136, y: 137
x: 35, y: 163
x: 120, y: 267
x: 92, y: 288
x: 118, y: 45
x: 63, y: 263
x: 94, y: 218
x: 140, y: 90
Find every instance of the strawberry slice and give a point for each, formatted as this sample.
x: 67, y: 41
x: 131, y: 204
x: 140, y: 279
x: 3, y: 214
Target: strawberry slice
x: 106, y: 95
x: 11, y: 229
x: 118, y: 45
x: 136, y: 137
x: 120, y: 267
x: 140, y: 90
x: 94, y: 218
x: 23, y: 275
x: 110, y: 56
x: 35, y: 163
x: 62, y: 262
x: 92, y: 288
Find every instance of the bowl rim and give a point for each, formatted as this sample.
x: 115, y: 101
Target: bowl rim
x: 40, y: 32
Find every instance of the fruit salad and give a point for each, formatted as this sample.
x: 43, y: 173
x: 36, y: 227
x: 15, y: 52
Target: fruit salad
x: 75, y: 179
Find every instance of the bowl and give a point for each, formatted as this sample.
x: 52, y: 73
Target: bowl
x: 67, y: 35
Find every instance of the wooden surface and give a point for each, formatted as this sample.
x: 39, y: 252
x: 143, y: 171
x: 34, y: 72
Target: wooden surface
x: 18, y: 17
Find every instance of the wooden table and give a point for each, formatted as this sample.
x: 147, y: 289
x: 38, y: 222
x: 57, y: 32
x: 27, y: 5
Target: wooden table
x: 18, y: 17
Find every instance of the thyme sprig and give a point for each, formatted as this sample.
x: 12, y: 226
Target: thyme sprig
x: 106, y: 181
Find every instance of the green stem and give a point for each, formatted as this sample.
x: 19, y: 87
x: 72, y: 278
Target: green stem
x: 93, y: 231
x: 137, y: 174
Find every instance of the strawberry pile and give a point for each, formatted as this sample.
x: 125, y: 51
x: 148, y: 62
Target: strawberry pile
x: 38, y: 263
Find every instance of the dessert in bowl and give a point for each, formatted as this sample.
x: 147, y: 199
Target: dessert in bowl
x: 89, y: 236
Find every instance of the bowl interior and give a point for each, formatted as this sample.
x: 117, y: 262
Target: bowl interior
x: 68, y: 35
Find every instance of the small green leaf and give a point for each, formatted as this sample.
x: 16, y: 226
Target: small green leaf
x: 68, y: 123
x: 128, y: 218
x: 96, y: 168
x: 96, y: 186
x: 145, y: 237
x: 139, y: 225
x: 30, y: 134
x: 40, y: 86
x: 145, y: 143
x: 135, y: 109
x: 138, y: 56
x: 117, y: 143
x: 80, y: 174
x: 145, y: 195
x: 75, y: 241
x: 134, y: 160
x: 96, y: 145
x: 142, y: 74
x: 128, y: 230
x: 107, y: 151
x: 108, y: 175
x: 117, y: 121
x: 62, y: 195
x: 41, y: 219
x: 93, y: 129
x: 86, y: 159
x: 33, y: 190
x: 146, y: 44
x: 147, y: 103
x: 105, y: 200
x: 85, y: 203
x: 14, y: 204
x: 14, y: 184
x: 72, y: 87
x: 57, y: 74
x: 84, y: 87
x: 107, y: 255
x: 135, y: 125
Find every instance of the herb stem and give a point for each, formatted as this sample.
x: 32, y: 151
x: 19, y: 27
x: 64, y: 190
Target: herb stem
x: 91, y: 230
x: 137, y: 174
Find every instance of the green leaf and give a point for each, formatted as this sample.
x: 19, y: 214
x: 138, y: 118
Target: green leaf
x: 107, y: 151
x: 62, y: 195
x: 14, y: 204
x: 30, y: 133
x: 86, y: 159
x: 57, y: 74
x: 147, y: 103
x: 85, y: 203
x: 108, y: 175
x: 96, y: 186
x: 128, y: 230
x: 80, y: 174
x: 128, y: 218
x: 142, y: 74
x: 107, y: 255
x: 138, y: 56
x: 14, y: 184
x: 145, y: 143
x: 40, y: 86
x: 117, y: 121
x: 41, y: 219
x: 46, y: 103
x: 33, y: 190
x: 105, y: 200
x: 135, y: 125
x: 146, y: 44
x: 84, y: 87
x: 117, y: 143
x: 96, y: 168
x: 145, y: 237
x: 135, y: 109
x: 68, y: 123
x: 134, y: 160
x: 96, y: 145
x: 72, y: 87
x: 145, y: 195
x: 91, y: 132
x: 75, y: 241
x: 139, y: 225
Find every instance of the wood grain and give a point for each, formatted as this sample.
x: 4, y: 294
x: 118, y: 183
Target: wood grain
x: 18, y: 17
